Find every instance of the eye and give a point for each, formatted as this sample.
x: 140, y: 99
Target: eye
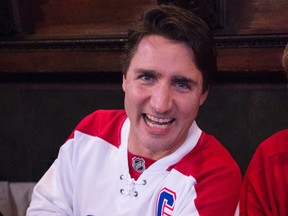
x: 183, y: 85
x: 146, y: 78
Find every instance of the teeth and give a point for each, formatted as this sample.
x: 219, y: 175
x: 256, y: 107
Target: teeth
x: 157, y: 125
x: 153, y: 121
x: 159, y: 120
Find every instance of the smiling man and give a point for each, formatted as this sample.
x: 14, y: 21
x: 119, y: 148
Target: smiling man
x: 163, y: 92
x: 151, y: 158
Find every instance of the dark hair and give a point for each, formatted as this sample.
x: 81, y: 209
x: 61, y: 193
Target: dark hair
x: 180, y: 25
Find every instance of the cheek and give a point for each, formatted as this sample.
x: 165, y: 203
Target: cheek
x: 189, y: 107
x: 133, y: 96
x: 133, y: 90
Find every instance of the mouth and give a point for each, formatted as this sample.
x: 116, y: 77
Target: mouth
x: 155, y: 122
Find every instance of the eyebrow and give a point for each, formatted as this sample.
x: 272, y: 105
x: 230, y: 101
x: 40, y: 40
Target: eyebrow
x: 183, y: 79
x: 177, y: 78
x: 146, y: 71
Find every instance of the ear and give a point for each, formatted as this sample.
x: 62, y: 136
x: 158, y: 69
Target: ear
x: 203, y: 97
x: 124, y: 82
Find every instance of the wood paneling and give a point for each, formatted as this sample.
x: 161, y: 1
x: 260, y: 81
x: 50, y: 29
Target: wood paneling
x: 60, y: 61
x: 256, y: 17
x: 250, y: 59
x: 86, y: 18
x: 89, y: 35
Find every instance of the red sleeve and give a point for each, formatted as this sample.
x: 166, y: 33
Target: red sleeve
x: 217, y: 174
x: 265, y: 186
x: 218, y: 188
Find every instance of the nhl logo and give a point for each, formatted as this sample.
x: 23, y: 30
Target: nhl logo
x: 138, y: 164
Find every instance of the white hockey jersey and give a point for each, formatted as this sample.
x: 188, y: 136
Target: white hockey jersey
x: 91, y: 176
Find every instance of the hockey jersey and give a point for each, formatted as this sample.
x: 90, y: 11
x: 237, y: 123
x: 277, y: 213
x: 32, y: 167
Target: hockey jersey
x: 91, y: 175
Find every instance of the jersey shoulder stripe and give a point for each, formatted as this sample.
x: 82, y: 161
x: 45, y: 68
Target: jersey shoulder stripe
x: 105, y: 124
x: 207, y: 156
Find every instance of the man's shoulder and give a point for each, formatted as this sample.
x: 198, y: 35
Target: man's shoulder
x: 208, y: 156
x: 105, y: 124
x: 103, y: 117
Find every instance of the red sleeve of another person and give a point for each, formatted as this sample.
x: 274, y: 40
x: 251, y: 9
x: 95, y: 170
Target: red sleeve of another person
x: 265, y: 185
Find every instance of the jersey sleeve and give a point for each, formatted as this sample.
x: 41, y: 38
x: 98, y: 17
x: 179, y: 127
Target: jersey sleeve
x: 218, y: 179
x: 53, y: 194
x: 218, y: 192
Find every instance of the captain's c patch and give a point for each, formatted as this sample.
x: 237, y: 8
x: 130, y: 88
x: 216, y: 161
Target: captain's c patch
x: 165, y: 202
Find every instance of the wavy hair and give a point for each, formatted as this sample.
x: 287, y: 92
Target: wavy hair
x: 179, y: 25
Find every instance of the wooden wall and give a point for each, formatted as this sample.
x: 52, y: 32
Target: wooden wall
x: 88, y: 35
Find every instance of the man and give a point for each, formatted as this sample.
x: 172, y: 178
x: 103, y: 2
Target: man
x: 265, y: 185
x: 152, y: 158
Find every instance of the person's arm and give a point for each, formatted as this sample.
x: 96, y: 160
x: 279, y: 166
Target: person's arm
x: 219, y: 193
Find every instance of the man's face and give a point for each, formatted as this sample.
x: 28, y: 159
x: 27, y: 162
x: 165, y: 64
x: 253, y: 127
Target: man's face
x: 163, y: 93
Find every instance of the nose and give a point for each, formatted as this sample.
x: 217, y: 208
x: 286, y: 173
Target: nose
x: 161, y: 98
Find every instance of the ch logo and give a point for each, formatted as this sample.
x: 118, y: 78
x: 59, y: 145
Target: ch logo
x: 166, y: 202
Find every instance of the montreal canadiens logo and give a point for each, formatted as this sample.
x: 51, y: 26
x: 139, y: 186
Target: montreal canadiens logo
x: 166, y: 202
x: 138, y: 164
